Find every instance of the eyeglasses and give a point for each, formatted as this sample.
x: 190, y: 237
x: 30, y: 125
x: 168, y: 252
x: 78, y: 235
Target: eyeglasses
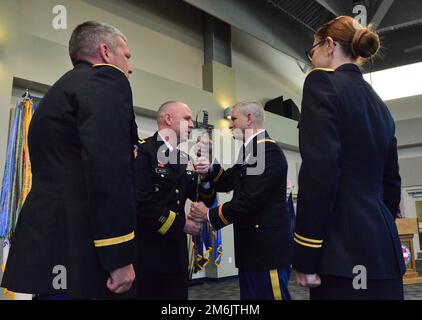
x: 310, y: 52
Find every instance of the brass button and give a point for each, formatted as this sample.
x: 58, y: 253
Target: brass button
x: 257, y: 226
x: 177, y: 191
x: 178, y: 202
x: 162, y: 176
x: 157, y: 189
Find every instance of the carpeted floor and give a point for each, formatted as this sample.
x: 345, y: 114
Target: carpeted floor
x: 229, y: 290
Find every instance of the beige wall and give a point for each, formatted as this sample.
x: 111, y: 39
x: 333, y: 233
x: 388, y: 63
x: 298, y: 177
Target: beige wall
x: 153, y: 51
x: 263, y: 73
x: 255, y: 82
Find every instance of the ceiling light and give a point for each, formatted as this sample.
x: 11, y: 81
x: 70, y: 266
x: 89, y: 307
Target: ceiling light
x: 397, y: 82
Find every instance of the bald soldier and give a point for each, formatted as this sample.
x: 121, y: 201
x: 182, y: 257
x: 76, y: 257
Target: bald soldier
x: 166, y: 179
x: 258, y: 212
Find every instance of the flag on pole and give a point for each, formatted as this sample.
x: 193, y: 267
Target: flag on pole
x: 218, y: 245
x: 7, y: 205
x: 17, y: 179
x: 205, y: 248
x: 207, y: 242
x: 216, y: 240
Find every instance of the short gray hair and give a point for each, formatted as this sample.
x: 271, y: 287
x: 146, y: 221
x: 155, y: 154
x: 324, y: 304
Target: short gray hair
x: 87, y: 37
x: 253, y: 107
x: 162, y: 110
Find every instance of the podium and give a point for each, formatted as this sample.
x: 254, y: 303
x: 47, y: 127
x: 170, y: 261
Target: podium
x: 407, y: 229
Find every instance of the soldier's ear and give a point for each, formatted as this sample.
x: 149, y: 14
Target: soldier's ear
x: 250, y: 118
x: 105, y: 52
x: 168, y: 119
x: 331, y: 45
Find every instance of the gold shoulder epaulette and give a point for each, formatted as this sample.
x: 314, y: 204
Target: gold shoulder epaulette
x: 107, y: 65
x: 322, y: 69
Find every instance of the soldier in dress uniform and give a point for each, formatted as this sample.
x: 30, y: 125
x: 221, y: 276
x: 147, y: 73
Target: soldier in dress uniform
x: 78, y: 220
x: 166, y: 179
x: 349, y: 182
x: 258, y: 210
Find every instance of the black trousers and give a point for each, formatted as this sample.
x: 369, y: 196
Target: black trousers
x: 337, y: 288
x: 158, y: 286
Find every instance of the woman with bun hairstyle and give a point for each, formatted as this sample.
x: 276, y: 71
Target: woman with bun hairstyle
x: 346, y: 241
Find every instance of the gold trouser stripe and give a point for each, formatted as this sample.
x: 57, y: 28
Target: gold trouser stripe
x: 275, y: 283
x: 308, y: 239
x: 113, y: 241
x: 169, y: 222
x: 218, y: 175
x: 108, y: 65
x: 220, y: 214
x: 266, y: 140
x: 307, y: 244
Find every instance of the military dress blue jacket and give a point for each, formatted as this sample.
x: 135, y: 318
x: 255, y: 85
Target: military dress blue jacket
x: 349, y: 182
